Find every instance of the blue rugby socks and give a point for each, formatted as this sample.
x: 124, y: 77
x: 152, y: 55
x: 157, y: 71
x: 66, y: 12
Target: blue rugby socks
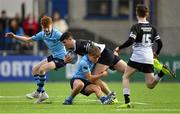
x: 40, y: 84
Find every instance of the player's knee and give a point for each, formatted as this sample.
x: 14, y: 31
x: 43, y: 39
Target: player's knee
x: 80, y: 85
x: 125, y: 77
x: 96, y: 88
x: 120, y: 66
x: 34, y: 71
x: 42, y: 70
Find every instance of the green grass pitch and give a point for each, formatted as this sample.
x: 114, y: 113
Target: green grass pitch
x: 164, y: 99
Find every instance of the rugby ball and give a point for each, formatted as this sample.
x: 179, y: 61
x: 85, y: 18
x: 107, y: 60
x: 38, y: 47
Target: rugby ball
x: 73, y: 55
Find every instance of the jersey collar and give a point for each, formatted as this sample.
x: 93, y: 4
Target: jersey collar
x: 145, y: 22
x: 50, y: 35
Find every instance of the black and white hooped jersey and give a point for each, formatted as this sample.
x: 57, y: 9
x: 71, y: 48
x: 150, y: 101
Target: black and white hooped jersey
x: 144, y: 34
x: 82, y: 46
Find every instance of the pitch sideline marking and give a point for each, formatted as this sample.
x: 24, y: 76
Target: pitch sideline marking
x: 11, y: 97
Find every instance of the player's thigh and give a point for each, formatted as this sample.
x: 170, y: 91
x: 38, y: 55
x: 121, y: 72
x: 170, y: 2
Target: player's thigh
x: 99, y: 82
x: 99, y: 68
x: 78, y: 83
x: 35, y: 69
x: 47, y: 66
x: 92, y: 88
x: 120, y: 66
x: 149, y: 77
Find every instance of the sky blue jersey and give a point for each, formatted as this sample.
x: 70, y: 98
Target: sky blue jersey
x: 53, y: 43
x: 84, y: 66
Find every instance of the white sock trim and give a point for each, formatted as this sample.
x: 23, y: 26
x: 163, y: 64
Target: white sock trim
x: 157, y: 78
x: 126, y: 91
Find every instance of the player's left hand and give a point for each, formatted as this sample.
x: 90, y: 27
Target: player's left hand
x: 10, y: 35
x: 156, y: 56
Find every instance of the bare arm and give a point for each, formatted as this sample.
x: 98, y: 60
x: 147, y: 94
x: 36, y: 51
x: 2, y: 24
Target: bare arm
x: 92, y: 78
x: 21, y: 38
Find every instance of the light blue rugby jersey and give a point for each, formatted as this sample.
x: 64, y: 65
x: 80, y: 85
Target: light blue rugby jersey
x: 84, y: 66
x: 53, y: 43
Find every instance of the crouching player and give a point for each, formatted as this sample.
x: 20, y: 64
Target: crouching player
x: 82, y: 81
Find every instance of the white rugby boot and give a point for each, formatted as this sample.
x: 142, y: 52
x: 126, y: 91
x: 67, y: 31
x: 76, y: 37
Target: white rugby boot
x: 33, y: 95
x: 43, y: 96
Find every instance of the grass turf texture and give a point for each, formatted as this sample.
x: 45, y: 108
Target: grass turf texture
x: 165, y: 98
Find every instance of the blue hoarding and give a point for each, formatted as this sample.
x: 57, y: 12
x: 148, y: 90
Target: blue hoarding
x: 17, y: 68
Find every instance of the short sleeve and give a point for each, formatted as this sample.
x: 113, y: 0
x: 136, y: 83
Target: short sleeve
x: 84, y: 67
x: 58, y: 35
x: 38, y: 36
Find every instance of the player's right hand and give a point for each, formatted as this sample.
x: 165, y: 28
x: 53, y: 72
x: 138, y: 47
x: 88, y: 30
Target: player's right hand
x: 156, y: 56
x: 67, y: 59
x: 104, y: 73
x: 10, y: 35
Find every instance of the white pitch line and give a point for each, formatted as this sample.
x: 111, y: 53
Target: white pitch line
x: 141, y: 103
x: 25, y: 101
x: 83, y: 99
x: 14, y: 101
x: 148, y: 110
x: 11, y: 97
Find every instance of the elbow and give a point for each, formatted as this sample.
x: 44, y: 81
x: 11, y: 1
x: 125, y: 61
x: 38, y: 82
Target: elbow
x: 91, y: 79
x: 27, y: 40
x: 159, y: 43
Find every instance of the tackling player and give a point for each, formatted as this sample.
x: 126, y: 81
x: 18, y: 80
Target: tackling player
x: 82, y: 79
